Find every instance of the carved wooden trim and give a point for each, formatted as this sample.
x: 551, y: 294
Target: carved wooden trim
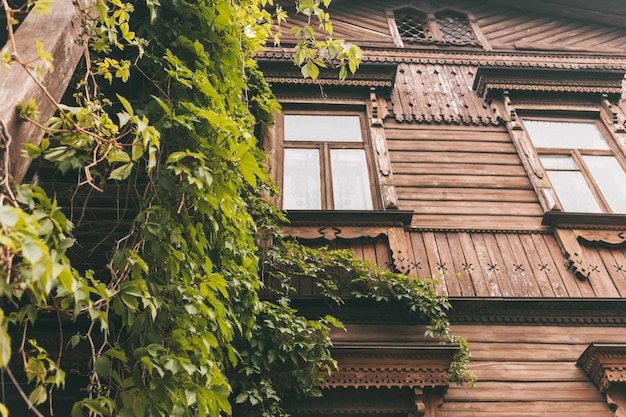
x: 505, y: 59
x: 533, y: 311
x: 573, y: 252
x: 491, y: 80
x: 331, y: 233
x: 393, y: 366
x: 604, y: 238
x: 380, y: 75
x: 604, y: 363
x: 399, y: 249
x: 406, y: 401
x: 506, y: 110
x: 379, y: 144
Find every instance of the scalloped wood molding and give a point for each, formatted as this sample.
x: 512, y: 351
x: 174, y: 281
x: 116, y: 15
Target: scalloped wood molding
x: 505, y: 59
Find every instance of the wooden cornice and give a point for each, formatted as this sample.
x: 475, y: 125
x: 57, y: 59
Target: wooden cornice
x: 390, y: 356
x: 392, y: 367
x: 490, y: 81
x: 501, y: 59
x: 562, y: 312
x: 476, y: 310
x: 604, y: 364
x: 370, y: 74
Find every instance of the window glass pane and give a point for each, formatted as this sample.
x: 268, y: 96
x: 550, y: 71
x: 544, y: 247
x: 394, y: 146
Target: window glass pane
x: 351, y: 185
x: 301, y: 180
x: 565, y: 135
x: 558, y: 162
x: 412, y: 25
x: 573, y: 192
x: 454, y: 27
x: 611, y: 180
x: 322, y: 128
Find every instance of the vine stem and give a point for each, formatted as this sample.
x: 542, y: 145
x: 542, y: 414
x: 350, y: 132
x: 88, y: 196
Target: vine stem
x: 8, y: 11
x: 15, y: 382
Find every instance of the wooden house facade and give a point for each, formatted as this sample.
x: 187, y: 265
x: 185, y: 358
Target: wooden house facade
x: 481, y: 143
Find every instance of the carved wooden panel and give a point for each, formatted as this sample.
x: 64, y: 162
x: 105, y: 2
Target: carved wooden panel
x: 605, y: 365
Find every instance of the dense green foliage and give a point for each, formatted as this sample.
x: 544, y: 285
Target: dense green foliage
x: 169, y: 97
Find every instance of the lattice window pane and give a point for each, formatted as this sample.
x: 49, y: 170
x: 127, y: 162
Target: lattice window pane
x: 455, y: 28
x: 412, y: 26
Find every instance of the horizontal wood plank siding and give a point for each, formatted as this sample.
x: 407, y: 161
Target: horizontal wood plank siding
x: 503, y: 27
x: 461, y: 177
x: 529, y: 371
x: 512, y: 265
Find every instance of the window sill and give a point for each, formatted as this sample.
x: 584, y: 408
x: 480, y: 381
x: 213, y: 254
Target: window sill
x: 350, y: 217
x: 559, y: 218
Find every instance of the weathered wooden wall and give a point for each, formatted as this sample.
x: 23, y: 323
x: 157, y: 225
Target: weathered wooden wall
x: 504, y: 28
x: 461, y: 177
x: 529, y: 371
x: 518, y: 265
x: 59, y: 37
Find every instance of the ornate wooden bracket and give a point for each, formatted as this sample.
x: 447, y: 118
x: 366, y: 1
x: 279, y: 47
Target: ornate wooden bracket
x: 573, y: 252
x: 420, y: 407
x: 612, y: 116
x: 605, y: 365
x: 571, y: 239
x: 379, y: 142
x: 604, y: 238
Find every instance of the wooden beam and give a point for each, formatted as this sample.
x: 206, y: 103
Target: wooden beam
x: 58, y: 32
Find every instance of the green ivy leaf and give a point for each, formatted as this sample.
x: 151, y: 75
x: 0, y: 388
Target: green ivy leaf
x: 121, y: 172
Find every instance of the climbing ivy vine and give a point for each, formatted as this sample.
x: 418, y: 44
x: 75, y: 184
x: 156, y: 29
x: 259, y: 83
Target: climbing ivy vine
x: 168, y: 97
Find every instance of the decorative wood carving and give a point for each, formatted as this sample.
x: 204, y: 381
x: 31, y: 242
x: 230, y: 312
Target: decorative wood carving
x: 504, y: 59
x: 383, y: 164
x: 330, y: 233
x: 490, y: 80
x: 570, y: 312
x: 434, y: 93
x: 605, y: 365
x: 399, y: 249
x: 507, y: 111
x: 420, y: 407
x: 381, y: 75
x: 616, y: 398
x: 605, y: 238
x: 571, y: 248
x: 612, y: 115
x: 376, y: 367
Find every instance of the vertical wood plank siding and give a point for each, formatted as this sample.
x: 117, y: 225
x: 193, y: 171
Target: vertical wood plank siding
x: 432, y: 93
x: 514, y: 265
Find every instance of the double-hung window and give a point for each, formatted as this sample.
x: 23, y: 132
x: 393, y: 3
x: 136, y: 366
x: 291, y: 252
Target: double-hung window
x: 325, y: 161
x: 586, y: 170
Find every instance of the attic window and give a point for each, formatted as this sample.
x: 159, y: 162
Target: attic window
x: 455, y: 27
x: 411, y: 26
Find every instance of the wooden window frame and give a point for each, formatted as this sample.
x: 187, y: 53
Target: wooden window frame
x: 325, y: 147
x: 433, y: 26
x: 577, y: 153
